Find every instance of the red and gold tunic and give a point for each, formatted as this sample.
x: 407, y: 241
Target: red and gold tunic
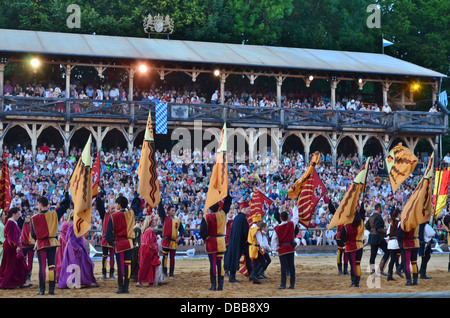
x: 411, y: 239
x: 45, y: 226
x: 123, y: 224
x: 170, y: 233
x: 286, y: 234
x: 25, y: 237
x: 216, y: 222
x: 103, y: 241
x: 354, y: 237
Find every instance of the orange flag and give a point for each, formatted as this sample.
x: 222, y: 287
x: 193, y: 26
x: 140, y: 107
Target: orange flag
x: 400, y: 163
x: 5, y: 187
x: 256, y: 205
x: 350, y: 202
x: 81, y: 191
x: 148, y: 176
x: 440, y: 191
x: 218, y: 184
x: 309, y: 197
x: 297, y: 187
x: 95, y: 176
x: 418, y: 208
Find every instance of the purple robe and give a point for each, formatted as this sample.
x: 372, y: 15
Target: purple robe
x: 76, y: 260
x: 13, y: 269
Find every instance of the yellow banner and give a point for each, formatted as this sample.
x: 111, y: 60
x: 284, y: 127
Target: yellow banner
x: 81, y: 191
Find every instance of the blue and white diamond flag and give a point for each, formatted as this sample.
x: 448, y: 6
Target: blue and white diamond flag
x: 161, y: 118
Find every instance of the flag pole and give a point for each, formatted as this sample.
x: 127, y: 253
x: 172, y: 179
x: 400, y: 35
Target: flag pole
x: 437, y: 192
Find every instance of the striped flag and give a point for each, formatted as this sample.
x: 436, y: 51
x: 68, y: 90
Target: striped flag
x: 5, y: 187
x: 161, y: 117
x: 95, y: 176
x: 309, y: 197
x: 218, y: 183
x: 148, y: 175
x: 350, y: 202
x: 417, y: 209
x: 440, y: 191
x: 400, y: 163
x: 297, y: 187
x: 256, y: 205
x: 81, y: 191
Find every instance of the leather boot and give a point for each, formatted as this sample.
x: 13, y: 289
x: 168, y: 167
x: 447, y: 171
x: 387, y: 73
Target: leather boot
x: 111, y: 273
x: 126, y: 285
x: 353, y: 278
x: 213, y: 282
x: 103, y: 273
x: 340, y: 269
x: 171, y: 270
x: 357, y: 278
x: 381, y: 267
x: 220, y: 283
x: 408, y: 280
x: 415, y: 278
x: 51, y: 287
x: 390, y: 277
x: 41, y: 289
x: 346, y: 269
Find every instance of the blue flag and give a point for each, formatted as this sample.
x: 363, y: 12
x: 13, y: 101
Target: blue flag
x: 443, y: 98
x: 161, y: 118
x: 387, y: 43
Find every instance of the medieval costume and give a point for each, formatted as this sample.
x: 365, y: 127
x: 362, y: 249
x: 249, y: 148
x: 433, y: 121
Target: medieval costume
x: 106, y: 248
x: 409, y: 247
x: 27, y: 244
x: 76, y: 258
x: 45, y: 230
x: 148, y: 254
x: 283, y: 241
x: 426, y: 234
x: 447, y: 227
x: 238, y: 244
x: 212, y: 231
x: 2, y: 233
x: 375, y: 226
x: 255, y: 251
x: 136, y: 244
x: 120, y: 234
x: 13, y: 268
x: 393, y: 246
x: 172, y: 232
x: 352, y: 235
x: 62, y: 246
x: 341, y: 257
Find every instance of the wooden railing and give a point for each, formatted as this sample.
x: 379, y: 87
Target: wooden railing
x: 74, y: 109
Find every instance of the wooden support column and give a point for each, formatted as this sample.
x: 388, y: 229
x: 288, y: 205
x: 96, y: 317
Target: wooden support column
x: 34, y: 133
x: 99, y: 134
x: 131, y: 72
x: 434, y: 92
x: 386, y: 86
x: 280, y: 79
x: 333, y: 85
x: 223, y: 78
x: 68, y: 69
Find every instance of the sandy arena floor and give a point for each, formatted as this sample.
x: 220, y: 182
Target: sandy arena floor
x: 316, y: 276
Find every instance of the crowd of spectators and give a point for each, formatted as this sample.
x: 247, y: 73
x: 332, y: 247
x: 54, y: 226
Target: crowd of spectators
x: 185, y: 185
x: 181, y: 95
